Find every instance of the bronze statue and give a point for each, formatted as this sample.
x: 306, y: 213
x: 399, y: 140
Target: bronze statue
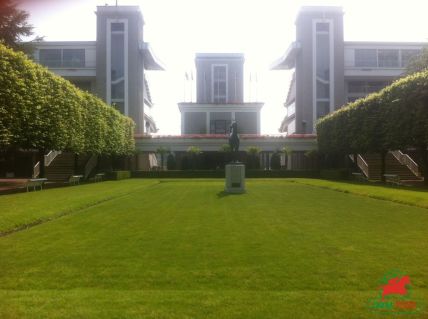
x: 234, y: 139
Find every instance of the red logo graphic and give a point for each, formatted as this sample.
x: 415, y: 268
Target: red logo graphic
x: 395, y: 295
x: 395, y: 286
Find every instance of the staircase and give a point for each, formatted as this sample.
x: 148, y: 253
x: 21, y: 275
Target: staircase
x: 62, y: 167
x: 392, y: 166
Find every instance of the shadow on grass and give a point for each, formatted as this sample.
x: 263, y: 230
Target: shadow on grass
x: 415, y: 188
x: 222, y: 194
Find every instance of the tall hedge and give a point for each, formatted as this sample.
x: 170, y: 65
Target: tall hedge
x: 40, y: 110
x: 395, y: 118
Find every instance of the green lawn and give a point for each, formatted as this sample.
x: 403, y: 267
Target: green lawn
x: 183, y: 249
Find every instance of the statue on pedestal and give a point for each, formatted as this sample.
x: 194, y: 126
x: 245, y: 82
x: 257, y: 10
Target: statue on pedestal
x: 234, y: 140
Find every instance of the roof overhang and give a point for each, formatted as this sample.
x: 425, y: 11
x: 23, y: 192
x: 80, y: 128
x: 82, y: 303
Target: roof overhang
x: 151, y: 62
x: 219, y: 56
x: 288, y: 60
x: 212, y: 107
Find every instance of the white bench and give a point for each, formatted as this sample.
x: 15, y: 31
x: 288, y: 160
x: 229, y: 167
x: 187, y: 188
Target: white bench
x: 359, y: 177
x: 99, y: 177
x: 35, y: 182
x: 75, y: 179
x: 392, y: 178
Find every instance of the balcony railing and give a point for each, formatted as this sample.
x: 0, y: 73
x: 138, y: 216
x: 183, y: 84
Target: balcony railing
x: 66, y: 64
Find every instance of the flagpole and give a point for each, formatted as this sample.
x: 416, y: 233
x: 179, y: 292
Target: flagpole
x: 191, y: 86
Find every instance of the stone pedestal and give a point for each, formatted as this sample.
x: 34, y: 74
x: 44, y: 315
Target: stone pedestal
x: 235, y: 178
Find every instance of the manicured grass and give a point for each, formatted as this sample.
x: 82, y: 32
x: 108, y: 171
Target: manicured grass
x: 184, y: 249
x: 25, y: 208
x: 403, y: 194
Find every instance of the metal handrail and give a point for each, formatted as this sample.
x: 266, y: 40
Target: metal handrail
x: 50, y: 157
x: 408, y: 161
x: 362, y: 164
x: 90, y: 165
x: 36, y: 170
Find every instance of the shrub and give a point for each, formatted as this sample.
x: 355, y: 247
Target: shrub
x: 275, y: 161
x: 221, y: 174
x: 118, y: 175
x: 340, y: 174
x: 40, y: 110
x: 394, y: 118
x: 171, y: 163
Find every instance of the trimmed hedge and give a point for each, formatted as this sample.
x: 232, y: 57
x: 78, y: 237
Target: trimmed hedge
x: 221, y: 174
x: 335, y: 174
x: 40, y: 110
x: 394, y: 118
x: 118, y: 175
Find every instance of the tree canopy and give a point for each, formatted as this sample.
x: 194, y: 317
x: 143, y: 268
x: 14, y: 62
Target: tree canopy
x: 418, y: 63
x: 394, y: 118
x: 40, y: 110
x: 14, y: 27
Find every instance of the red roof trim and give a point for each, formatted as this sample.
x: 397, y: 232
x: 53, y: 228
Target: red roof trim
x: 225, y: 136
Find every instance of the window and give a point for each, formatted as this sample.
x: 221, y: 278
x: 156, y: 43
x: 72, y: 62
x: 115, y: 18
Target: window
x: 322, y: 27
x: 323, y: 108
x: 62, y: 58
x: 363, y: 87
x: 323, y: 67
x: 407, y: 56
x: 323, y: 56
x: 323, y: 90
x: 73, y: 58
x: 356, y: 87
x: 359, y: 89
x: 117, y: 26
x: 219, y: 126
x: 219, y: 84
x: 117, y: 66
x: 50, y: 57
x: 365, y: 58
x: 388, y: 59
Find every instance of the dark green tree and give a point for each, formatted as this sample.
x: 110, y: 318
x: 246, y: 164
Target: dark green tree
x: 171, y: 162
x: 418, y: 63
x: 14, y: 27
x: 275, y: 161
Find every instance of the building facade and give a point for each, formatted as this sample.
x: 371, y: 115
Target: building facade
x: 220, y: 97
x: 329, y: 72
x: 112, y: 67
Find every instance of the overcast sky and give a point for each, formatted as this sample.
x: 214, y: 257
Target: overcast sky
x: 261, y: 29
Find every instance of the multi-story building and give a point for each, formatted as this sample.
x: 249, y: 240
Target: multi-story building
x: 112, y: 67
x: 329, y: 72
x: 220, y: 97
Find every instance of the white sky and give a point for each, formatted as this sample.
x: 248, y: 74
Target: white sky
x: 261, y: 29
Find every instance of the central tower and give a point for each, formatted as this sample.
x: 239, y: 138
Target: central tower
x: 220, y: 97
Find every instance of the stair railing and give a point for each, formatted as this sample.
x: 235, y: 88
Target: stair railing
x: 51, y: 156
x: 407, y: 161
x: 90, y: 165
x: 36, y: 170
x: 362, y: 164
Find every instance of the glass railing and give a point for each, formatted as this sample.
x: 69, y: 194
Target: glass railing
x: 62, y: 63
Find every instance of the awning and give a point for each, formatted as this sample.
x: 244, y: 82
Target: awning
x: 288, y: 60
x: 150, y: 60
